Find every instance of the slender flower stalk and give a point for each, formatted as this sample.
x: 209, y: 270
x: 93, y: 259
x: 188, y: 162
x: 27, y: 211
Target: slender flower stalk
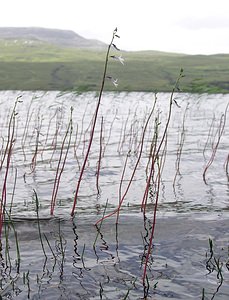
x: 216, y: 145
x: 157, y: 161
x: 61, y: 163
x: 100, y: 157
x: 226, y: 166
x: 7, y: 156
x: 94, y: 120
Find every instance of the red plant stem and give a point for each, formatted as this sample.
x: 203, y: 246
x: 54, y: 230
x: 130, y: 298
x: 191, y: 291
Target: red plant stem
x: 54, y: 140
x: 1, y: 151
x: 109, y: 135
x: 226, y: 166
x: 152, y: 169
x: 155, y: 156
x: 9, y: 139
x: 47, y: 133
x: 215, y: 147
x: 120, y: 138
x: 82, y: 125
x: 134, y: 171
x: 180, y: 148
x: 24, y: 135
x: 156, y: 159
x: 93, y: 125
x: 85, y: 136
x: 59, y: 173
x: 3, y: 198
x: 34, y: 158
x: 145, y: 196
x: 74, y: 145
x: 100, y: 156
x: 9, y: 147
x: 167, y: 123
x: 13, y: 192
x: 124, y: 134
x: 209, y: 135
x: 120, y: 186
x: 153, y: 225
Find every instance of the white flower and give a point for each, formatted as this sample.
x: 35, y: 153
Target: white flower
x: 119, y: 58
x: 113, y: 80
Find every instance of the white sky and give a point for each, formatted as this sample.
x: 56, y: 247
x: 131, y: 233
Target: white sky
x: 186, y: 26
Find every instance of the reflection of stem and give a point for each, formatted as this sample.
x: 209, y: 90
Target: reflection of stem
x: 27, y: 281
x: 117, y: 243
x: 82, y: 256
x: 62, y: 250
x: 214, y: 264
x: 7, y: 248
x: 129, y: 289
x: 10, y: 223
x: 100, y: 225
x: 50, y: 247
x: 145, y: 239
x: 38, y: 224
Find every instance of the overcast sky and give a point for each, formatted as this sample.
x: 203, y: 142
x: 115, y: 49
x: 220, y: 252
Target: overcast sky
x: 185, y: 26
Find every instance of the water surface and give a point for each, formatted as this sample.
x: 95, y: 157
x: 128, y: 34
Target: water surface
x: 190, y: 211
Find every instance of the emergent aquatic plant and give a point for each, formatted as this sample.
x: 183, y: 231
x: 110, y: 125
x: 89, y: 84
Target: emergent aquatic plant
x: 114, y: 81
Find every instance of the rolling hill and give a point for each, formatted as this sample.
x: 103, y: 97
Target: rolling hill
x: 58, y: 37
x: 52, y: 59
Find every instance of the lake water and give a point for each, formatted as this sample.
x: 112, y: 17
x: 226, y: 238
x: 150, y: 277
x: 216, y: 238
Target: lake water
x: 82, y: 263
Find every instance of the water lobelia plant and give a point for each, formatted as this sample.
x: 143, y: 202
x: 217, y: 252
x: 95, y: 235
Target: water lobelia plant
x: 122, y: 196
x: 219, y: 133
x: 7, y: 157
x: 61, y: 163
x: 157, y: 161
x: 94, y: 120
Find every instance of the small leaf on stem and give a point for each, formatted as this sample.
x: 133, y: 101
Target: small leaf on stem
x: 115, y: 47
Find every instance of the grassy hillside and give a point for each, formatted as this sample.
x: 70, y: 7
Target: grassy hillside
x: 36, y: 65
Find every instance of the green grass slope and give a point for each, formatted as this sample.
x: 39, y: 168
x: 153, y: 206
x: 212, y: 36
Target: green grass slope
x: 35, y: 65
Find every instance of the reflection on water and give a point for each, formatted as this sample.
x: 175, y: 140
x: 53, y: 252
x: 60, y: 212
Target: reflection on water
x: 71, y: 259
x: 75, y: 267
